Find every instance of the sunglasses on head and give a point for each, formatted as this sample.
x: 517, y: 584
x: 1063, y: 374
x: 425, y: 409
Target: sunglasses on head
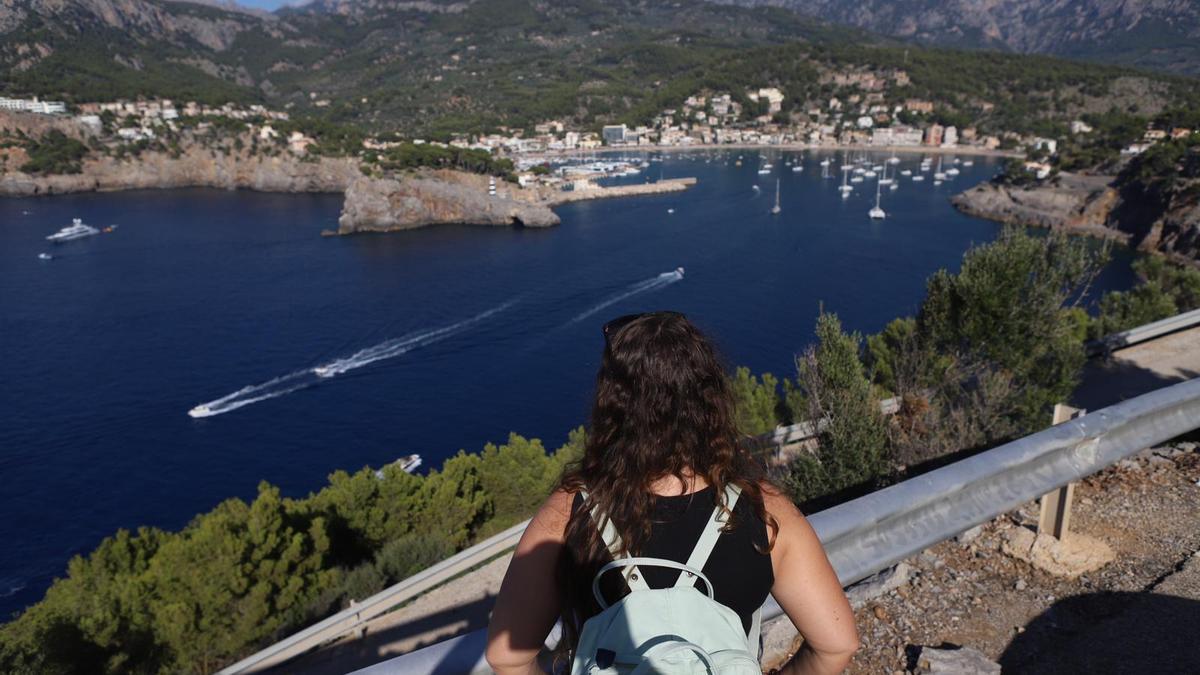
x: 613, y: 327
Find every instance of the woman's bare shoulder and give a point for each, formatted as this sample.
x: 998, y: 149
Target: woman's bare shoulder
x: 555, y: 512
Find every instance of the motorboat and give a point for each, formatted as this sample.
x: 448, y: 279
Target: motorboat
x: 45, y: 256
x: 670, y: 210
x: 201, y: 410
x: 906, y: 172
x: 797, y: 168
x: 407, y: 464
x: 679, y: 271
x: 918, y: 178
x: 76, y: 230
x: 969, y: 162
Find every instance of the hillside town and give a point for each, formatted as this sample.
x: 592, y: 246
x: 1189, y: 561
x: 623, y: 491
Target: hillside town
x: 862, y: 114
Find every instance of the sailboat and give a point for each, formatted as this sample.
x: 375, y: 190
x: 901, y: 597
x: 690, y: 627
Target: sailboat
x: 877, y: 212
x: 775, y: 210
x: 893, y: 159
x: 884, y: 180
x: 939, y: 175
x: 846, y: 189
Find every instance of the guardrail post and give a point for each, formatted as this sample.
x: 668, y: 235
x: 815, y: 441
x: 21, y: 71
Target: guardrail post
x: 1055, y: 515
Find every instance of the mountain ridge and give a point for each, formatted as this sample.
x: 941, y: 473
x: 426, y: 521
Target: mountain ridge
x: 1155, y: 34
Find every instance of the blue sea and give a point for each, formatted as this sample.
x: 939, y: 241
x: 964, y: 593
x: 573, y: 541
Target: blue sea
x: 314, y: 354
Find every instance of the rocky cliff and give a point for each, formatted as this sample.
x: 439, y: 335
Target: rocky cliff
x: 1159, y: 222
x: 194, y: 167
x: 436, y: 197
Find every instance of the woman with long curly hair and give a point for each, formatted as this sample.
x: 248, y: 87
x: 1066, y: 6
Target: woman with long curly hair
x: 662, y: 453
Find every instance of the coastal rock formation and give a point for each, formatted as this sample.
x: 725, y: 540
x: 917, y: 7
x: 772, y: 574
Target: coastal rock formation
x: 1152, y: 220
x: 194, y: 167
x: 1072, y: 202
x: 435, y: 197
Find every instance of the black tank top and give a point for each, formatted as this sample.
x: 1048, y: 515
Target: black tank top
x: 742, y: 576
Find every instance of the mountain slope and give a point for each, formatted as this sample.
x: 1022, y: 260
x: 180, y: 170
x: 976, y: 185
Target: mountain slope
x: 435, y: 67
x: 1158, y: 34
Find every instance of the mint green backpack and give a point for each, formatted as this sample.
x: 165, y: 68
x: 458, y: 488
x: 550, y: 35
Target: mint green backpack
x: 681, y: 629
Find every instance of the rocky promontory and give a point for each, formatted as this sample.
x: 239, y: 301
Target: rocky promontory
x: 1165, y: 221
x: 436, y: 197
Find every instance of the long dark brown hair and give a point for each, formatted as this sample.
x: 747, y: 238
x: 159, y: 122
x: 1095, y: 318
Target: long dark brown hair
x: 663, y: 407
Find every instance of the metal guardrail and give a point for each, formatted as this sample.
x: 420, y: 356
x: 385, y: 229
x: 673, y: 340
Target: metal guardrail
x: 873, y: 532
x: 1133, y: 336
x: 349, y: 620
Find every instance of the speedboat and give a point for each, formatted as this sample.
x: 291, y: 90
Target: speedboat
x: 679, y: 271
x: 201, y: 410
x: 407, y: 464
x: 76, y: 230
x: 45, y: 256
x: 670, y: 210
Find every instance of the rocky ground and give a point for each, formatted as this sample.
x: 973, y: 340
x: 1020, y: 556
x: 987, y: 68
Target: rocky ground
x: 1135, y: 614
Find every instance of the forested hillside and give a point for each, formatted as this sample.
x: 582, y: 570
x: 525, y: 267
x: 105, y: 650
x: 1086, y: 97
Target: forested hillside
x: 444, y: 67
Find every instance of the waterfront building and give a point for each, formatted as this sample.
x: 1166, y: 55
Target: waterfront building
x: 950, y: 137
x: 614, y: 134
x: 933, y: 135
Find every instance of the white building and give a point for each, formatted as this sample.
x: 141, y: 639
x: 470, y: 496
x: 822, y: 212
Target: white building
x: 950, y: 137
x: 865, y: 122
x: 1080, y: 127
x: 33, y: 105
x: 1048, y: 144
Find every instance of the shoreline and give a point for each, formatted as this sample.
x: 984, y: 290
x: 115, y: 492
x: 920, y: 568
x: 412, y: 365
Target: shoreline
x: 787, y: 147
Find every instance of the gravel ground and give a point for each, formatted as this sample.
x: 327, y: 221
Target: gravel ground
x: 971, y: 594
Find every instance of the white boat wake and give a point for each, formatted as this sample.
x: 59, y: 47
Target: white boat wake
x: 301, y: 379
x: 653, y: 284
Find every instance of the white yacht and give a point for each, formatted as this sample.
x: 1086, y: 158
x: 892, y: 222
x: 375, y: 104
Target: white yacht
x: 76, y: 230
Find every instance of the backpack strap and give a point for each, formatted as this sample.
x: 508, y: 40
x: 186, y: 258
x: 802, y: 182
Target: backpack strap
x: 646, y: 562
x: 708, y: 537
x: 612, y: 541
